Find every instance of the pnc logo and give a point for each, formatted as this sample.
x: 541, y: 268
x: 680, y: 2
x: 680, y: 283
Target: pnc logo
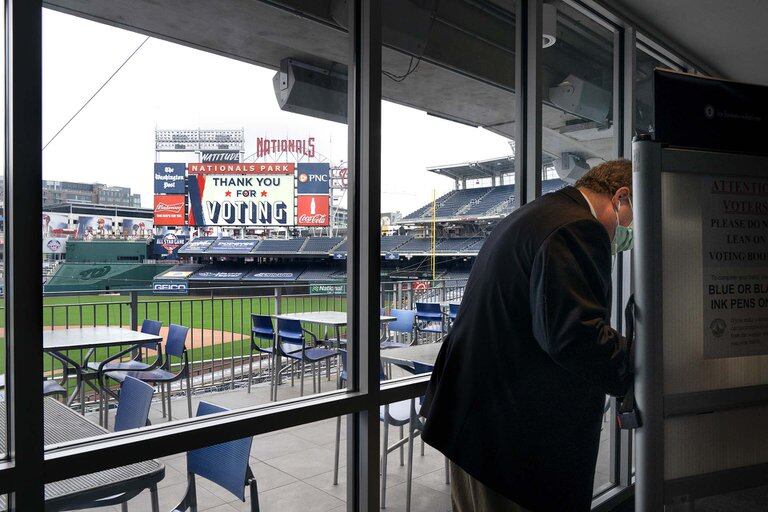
x: 303, y: 178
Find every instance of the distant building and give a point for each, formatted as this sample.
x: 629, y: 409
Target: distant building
x: 389, y: 218
x: 69, y: 192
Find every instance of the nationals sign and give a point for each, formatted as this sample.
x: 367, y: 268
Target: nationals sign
x: 240, y: 168
x: 169, y: 210
x: 250, y: 200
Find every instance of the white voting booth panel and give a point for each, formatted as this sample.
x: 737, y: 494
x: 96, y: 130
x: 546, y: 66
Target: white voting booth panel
x: 702, y: 323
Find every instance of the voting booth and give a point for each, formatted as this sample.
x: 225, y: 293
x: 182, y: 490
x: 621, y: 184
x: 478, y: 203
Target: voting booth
x: 701, y: 288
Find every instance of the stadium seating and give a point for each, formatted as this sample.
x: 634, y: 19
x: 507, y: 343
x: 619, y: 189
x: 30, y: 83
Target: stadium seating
x: 453, y: 244
x: 392, y: 243
x: 416, y: 245
x: 475, y: 202
x: 279, y: 246
x: 320, y: 244
x: 323, y: 274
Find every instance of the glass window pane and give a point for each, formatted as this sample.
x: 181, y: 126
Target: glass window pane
x: 645, y: 63
x: 204, y: 190
x: 448, y: 162
x: 578, y: 119
x: 3, y: 252
x: 293, y: 471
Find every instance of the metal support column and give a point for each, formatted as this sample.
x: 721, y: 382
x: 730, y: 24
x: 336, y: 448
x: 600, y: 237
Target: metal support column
x: 23, y: 201
x: 363, y: 262
x: 624, y: 120
x: 528, y: 59
x: 649, y: 363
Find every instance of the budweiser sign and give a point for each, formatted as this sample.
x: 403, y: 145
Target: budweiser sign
x: 298, y: 147
x: 169, y: 210
x: 173, y: 208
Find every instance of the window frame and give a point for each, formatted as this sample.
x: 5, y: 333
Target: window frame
x: 28, y: 466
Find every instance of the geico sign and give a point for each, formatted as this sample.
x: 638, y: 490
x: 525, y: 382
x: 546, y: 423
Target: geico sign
x: 170, y: 287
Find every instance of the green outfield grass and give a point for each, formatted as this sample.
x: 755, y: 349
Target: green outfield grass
x: 227, y: 315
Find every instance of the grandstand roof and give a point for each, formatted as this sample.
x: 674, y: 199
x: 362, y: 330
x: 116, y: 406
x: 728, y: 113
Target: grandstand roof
x: 492, y: 168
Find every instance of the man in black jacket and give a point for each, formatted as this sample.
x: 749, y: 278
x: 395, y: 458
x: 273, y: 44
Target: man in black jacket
x: 516, y: 397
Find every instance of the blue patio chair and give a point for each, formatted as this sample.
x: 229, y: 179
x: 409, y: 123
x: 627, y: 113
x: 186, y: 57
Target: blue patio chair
x: 163, y: 375
x: 133, y: 404
x: 398, y: 414
x: 114, y: 362
x: 401, y: 414
x: 50, y: 387
x: 292, y: 344
x: 404, y: 322
x: 261, y: 330
x: 429, y: 318
x: 225, y: 464
x: 453, y: 311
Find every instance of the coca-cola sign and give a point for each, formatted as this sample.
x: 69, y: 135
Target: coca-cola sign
x: 313, y: 210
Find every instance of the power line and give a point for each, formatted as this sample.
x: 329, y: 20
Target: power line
x: 97, y: 92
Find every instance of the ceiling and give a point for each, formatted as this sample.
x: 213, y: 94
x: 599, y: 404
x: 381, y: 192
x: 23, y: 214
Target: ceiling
x: 730, y: 36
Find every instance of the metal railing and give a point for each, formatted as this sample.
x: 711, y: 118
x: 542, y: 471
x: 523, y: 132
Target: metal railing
x: 219, y: 319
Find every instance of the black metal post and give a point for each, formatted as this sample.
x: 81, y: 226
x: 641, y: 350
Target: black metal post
x: 364, y: 250
x: 528, y: 41
x: 23, y: 202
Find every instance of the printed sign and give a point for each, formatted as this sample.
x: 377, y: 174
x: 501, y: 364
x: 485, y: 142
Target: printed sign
x: 272, y: 275
x: 54, y: 222
x: 313, y: 211
x: 210, y: 168
x: 295, y: 147
x: 54, y: 245
x: 169, y: 178
x: 198, y: 245
x: 253, y: 200
x: 90, y: 226
x: 327, y: 289
x: 230, y: 246
x: 313, y: 178
x: 220, y: 156
x: 734, y: 225
x: 176, y: 274
x: 217, y: 274
x: 170, y: 286
x: 169, y: 210
x: 137, y: 228
x: 167, y: 246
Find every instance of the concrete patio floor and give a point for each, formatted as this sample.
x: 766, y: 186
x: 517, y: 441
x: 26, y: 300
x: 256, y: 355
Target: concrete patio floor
x: 294, y: 467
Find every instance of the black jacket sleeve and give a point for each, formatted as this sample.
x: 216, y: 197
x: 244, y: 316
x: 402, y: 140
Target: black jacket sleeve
x: 570, y: 295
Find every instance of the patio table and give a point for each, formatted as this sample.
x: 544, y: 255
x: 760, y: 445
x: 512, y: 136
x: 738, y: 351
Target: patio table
x: 62, y: 425
x: 59, y: 341
x: 424, y: 354
x: 334, y: 319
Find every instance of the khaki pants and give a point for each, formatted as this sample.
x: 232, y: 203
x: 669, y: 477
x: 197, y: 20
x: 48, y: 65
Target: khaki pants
x: 469, y: 495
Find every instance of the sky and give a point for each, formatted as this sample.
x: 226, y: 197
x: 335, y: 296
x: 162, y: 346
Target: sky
x: 169, y: 86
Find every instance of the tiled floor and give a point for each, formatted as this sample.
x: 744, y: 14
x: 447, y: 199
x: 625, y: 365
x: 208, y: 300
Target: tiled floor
x: 294, y: 467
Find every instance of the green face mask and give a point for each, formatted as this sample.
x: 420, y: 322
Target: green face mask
x: 622, y: 237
